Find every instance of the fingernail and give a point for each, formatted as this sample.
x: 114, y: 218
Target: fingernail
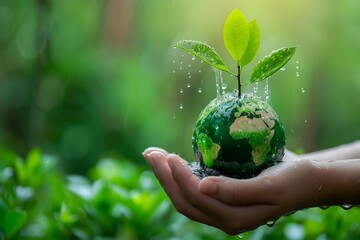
x: 153, y: 156
x: 208, y: 187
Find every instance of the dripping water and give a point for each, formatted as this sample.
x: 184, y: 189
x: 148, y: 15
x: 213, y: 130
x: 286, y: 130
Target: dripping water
x: 266, y: 90
x: 219, y: 82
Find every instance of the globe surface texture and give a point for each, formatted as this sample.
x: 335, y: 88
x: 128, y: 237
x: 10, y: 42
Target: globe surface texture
x: 238, y: 137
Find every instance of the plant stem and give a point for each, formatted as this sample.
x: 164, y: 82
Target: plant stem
x: 238, y: 79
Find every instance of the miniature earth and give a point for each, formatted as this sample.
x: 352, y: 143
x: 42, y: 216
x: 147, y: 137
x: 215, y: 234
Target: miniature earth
x: 237, y: 137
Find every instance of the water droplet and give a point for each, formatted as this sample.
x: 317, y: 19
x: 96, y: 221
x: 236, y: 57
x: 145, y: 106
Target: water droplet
x: 216, y: 128
x: 174, y: 117
x: 180, y: 68
x: 346, y: 206
x: 306, y: 121
x: 240, y: 235
x: 200, y: 71
x: 173, y: 61
x: 181, y: 90
x: 270, y: 223
x: 189, y: 76
x: 297, y: 62
x: 189, y: 85
x: 181, y: 62
x: 174, y: 71
x: 202, y: 61
x: 181, y: 106
x: 223, y: 86
x: 324, y: 207
x: 283, y: 69
x: 200, y: 90
x: 193, y: 58
x: 297, y: 67
x: 189, y: 65
x: 302, y: 90
x: 182, y: 55
x: 297, y: 74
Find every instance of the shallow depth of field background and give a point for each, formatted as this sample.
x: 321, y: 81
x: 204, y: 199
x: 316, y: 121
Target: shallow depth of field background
x: 86, y: 80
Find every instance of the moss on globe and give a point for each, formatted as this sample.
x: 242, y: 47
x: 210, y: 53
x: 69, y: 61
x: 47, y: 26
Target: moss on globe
x: 238, y: 137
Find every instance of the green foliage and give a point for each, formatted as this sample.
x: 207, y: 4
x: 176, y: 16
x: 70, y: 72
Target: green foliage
x: 253, y: 44
x: 119, y: 200
x: 203, y: 52
x: 242, y: 40
x: 271, y: 63
x: 236, y: 34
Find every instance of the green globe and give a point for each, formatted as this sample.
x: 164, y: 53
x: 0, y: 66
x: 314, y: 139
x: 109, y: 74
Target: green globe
x: 238, y: 137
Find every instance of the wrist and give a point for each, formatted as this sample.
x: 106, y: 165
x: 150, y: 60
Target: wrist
x: 338, y: 182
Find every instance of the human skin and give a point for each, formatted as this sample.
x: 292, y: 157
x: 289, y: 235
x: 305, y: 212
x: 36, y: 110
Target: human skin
x: 328, y: 177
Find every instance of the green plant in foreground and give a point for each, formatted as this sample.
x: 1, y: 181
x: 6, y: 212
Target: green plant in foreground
x: 242, y: 40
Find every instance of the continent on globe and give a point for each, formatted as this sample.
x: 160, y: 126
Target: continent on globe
x: 238, y: 136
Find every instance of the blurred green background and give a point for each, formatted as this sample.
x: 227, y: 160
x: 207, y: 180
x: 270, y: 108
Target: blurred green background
x: 85, y: 80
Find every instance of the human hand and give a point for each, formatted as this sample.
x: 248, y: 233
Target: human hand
x: 233, y: 205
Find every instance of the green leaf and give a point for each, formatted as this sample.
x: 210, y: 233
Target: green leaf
x: 14, y: 221
x: 204, y: 52
x: 236, y: 34
x: 271, y: 63
x: 253, y: 44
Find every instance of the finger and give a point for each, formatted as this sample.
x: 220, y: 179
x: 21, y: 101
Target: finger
x: 188, y: 185
x: 152, y: 149
x: 231, y: 219
x: 237, y: 192
x: 163, y: 173
x: 255, y: 216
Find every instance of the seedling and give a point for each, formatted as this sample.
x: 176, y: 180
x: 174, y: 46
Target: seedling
x: 238, y: 135
x: 242, y: 40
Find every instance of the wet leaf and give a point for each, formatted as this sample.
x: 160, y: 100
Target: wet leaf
x: 253, y: 43
x: 14, y: 221
x: 236, y: 34
x: 204, y: 52
x: 271, y: 63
